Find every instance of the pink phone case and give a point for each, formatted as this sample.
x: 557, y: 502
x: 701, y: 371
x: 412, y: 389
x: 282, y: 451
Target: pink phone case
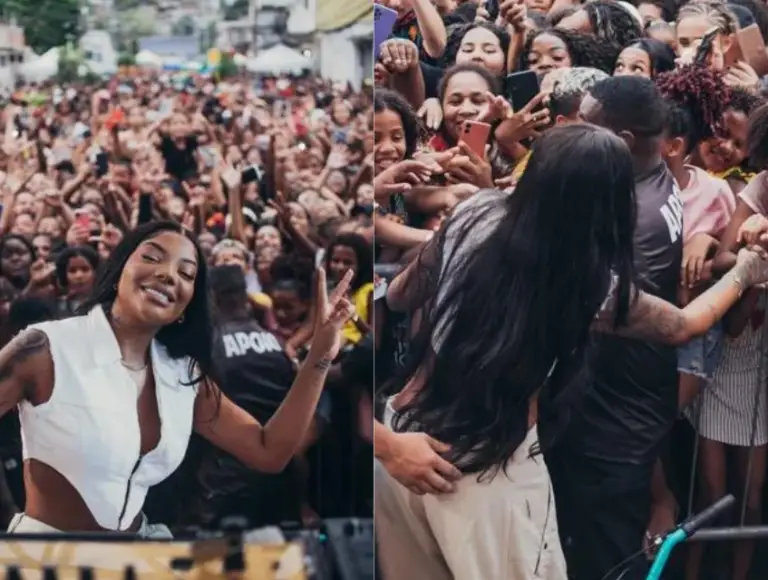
x: 475, y: 134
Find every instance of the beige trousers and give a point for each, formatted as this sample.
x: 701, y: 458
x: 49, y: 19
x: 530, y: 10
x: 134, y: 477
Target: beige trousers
x: 501, y: 529
x: 23, y: 524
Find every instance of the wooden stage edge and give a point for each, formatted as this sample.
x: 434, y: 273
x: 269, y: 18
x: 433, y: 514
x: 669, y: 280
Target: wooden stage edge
x: 150, y: 560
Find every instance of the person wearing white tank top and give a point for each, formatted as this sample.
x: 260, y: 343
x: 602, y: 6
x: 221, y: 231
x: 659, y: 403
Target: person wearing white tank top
x: 108, y: 400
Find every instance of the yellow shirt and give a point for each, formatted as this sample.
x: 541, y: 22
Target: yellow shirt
x: 517, y: 173
x: 260, y: 299
x: 350, y: 332
x: 735, y: 173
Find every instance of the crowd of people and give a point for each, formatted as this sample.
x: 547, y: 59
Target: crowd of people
x: 571, y: 347
x: 249, y: 198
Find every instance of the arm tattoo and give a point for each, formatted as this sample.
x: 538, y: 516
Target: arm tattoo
x: 323, y: 364
x: 25, y: 345
x: 654, y: 319
x: 650, y: 318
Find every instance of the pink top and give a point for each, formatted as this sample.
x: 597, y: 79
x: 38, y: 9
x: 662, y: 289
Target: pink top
x: 755, y: 195
x: 708, y: 204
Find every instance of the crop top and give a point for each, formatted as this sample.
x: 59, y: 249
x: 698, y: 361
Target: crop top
x: 88, y: 430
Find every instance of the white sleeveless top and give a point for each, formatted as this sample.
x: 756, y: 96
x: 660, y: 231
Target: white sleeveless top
x: 88, y: 430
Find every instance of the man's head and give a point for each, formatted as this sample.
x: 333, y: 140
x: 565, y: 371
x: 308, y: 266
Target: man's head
x: 633, y: 108
x: 568, y: 90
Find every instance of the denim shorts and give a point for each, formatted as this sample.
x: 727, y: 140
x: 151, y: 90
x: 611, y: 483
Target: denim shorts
x: 701, y: 356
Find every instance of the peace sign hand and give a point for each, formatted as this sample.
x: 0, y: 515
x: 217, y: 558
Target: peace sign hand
x: 331, y: 314
x: 499, y: 109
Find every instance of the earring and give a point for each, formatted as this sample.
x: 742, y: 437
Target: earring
x: 180, y: 320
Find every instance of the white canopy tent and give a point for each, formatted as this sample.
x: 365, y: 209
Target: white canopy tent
x: 42, y: 68
x: 279, y: 59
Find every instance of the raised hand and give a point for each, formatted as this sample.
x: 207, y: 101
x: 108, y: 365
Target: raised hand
x: 331, y: 314
x: 754, y: 230
x: 468, y: 167
x: 499, y: 109
x: 432, y: 113
x: 338, y: 157
x: 514, y: 13
x: 401, y: 176
x: 399, y: 55
x: 41, y: 273
x: 752, y: 264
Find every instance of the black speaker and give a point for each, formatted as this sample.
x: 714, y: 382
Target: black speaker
x: 350, y: 544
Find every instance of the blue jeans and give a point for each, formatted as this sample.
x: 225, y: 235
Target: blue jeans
x: 701, y: 356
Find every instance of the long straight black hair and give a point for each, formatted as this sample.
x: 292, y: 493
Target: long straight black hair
x: 191, y: 337
x: 513, y: 307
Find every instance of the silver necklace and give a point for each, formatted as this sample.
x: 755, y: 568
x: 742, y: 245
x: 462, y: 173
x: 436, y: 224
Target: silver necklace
x: 134, y: 369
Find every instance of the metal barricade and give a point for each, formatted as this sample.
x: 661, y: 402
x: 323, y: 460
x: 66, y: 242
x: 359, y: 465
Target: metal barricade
x: 740, y: 531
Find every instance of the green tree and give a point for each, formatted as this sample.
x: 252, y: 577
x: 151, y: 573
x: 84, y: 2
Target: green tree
x: 126, y: 60
x: 46, y: 23
x: 227, y: 66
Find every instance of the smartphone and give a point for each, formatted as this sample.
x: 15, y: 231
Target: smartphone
x: 705, y: 46
x: 319, y: 257
x: 752, y: 47
x: 145, y: 208
x: 380, y: 289
x: 384, y: 20
x: 82, y: 219
x: 251, y: 173
x: 101, y: 162
x: 208, y: 157
x: 115, y: 119
x: 521, y: 87
x: 475, y: 134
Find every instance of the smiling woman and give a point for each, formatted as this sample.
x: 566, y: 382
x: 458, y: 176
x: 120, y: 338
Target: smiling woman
x: 134, y: 384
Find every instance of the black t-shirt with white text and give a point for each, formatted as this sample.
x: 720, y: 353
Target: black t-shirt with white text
x: 253, y: 369
x: 614, y: 435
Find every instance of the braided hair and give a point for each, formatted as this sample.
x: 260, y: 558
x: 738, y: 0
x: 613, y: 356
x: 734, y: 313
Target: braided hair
x: 613, y: 22
x: 585, y: 50
x: 716, y: 12
x: 701, y: 95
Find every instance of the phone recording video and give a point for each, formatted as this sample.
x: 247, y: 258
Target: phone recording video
x: 101, y: 163
x: 521, y: 88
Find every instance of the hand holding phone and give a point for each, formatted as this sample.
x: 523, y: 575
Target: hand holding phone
x: 384, y: 20
x: 101, y: 163
x: 82, y: 219
x: 521, y: 88
x: 752, y: 48
x: 475, y: 135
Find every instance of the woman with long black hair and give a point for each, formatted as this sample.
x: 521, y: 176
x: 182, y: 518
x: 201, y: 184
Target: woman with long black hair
x: 509, y: 291
x: 108, y: 400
